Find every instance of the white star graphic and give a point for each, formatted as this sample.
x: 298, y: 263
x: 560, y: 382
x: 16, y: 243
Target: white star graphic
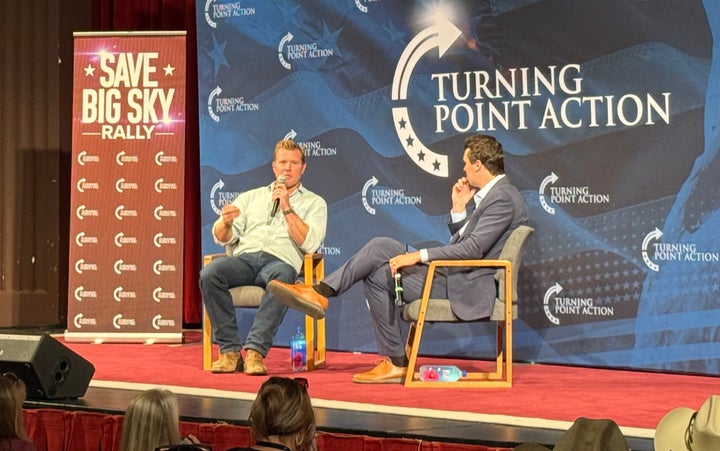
x: 89, y: 71
x: 168, y: 70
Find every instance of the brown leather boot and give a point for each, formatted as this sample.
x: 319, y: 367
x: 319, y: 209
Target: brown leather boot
x: 253, y: 364
x: 228, y: 362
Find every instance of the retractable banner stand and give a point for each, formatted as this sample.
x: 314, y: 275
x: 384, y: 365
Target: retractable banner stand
x: 126, y: 226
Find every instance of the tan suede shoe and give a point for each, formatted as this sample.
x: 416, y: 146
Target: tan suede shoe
x: 253, y: 364
x: 228, y: 362
x: 383, y: 373
x: 300, y: 297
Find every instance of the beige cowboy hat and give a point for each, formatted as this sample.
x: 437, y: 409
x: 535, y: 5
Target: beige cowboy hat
x: 683, y: 429
x: 586, y: 434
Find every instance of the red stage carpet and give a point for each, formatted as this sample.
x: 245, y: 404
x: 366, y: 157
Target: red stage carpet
x: 554, y: 394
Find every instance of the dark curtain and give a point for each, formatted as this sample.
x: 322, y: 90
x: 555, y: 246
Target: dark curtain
x: 170, y: 15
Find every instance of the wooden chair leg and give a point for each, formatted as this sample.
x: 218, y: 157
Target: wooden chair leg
x: 508, y: 351
x: 499, y: 353
x: 320, y: 348
x: 410, y: 338
x: 314, y: 271
x: 501, y: 376
x: 206, y: 341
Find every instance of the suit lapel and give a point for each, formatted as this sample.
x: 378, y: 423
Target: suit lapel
x: 474, y: 216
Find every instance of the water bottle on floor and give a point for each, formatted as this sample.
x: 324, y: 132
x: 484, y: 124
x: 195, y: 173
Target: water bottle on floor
x: 441, y: 373
x: 298, y: 357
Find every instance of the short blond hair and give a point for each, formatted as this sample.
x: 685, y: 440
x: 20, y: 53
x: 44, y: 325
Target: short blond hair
x: 288, y: 144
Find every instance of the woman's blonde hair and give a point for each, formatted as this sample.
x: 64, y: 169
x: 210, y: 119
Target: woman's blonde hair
x: 151, y: 420
x: 12, y: 396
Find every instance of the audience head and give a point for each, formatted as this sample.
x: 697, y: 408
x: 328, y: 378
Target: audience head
x: 185, y: 447
x: 684, y: 429
x: 488, y: 151
x: 586, y: 434
x: 282, y: 413
x: 151, y: 420
x: 12, y: 396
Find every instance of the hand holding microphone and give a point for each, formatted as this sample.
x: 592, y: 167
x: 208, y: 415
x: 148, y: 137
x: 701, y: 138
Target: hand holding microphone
x: 276, y: 203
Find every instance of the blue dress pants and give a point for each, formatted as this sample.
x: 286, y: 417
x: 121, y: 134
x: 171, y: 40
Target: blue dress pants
x: 370, y: 265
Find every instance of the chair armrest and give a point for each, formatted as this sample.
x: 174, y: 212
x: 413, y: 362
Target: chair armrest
x: 314, y: 258
x: 484, y: 263
x: 505, y: 267
x: 210, y: 257
x: 313, y: 268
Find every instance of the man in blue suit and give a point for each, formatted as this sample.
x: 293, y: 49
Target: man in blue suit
x: 486, y: 208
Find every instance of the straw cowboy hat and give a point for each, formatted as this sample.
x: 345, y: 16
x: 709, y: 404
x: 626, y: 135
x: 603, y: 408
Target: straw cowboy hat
x: 586, y: 434
x: 684, y: 429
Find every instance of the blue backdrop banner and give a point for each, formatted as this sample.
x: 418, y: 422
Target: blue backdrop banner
x: 609, y: 113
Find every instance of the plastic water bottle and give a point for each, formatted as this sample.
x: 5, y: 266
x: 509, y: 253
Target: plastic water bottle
x: 298, y: 357
x: 441, y: 373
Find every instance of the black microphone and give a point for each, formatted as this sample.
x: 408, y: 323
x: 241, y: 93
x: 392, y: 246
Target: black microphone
x: 276, y: 203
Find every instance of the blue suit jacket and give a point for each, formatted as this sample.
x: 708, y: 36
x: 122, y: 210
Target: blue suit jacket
x: 472, y: 291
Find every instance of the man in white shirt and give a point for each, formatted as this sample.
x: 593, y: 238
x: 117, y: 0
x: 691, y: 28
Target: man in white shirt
x: 271, y: 228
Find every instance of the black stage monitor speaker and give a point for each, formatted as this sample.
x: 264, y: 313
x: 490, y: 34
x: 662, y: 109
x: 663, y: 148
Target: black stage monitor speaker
x: 49, y: 369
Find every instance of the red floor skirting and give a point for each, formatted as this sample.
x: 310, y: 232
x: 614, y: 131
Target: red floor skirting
x: 57, y: 430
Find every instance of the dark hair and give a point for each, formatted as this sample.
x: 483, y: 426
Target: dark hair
x: 283, y: 408
x: 12, y: 396
x: 488, y: 150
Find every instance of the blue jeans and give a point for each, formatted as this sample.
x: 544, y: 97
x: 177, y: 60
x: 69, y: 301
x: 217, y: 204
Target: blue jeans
x: 222, y: 274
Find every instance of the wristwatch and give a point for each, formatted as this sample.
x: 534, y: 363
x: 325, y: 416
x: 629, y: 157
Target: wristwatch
x: 288, y: 211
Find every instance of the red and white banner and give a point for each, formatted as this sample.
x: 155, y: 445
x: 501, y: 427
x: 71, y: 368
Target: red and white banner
x: 126, y: 226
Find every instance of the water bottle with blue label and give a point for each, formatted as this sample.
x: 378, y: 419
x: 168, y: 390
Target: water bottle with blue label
x: 298, y: 356
x: 441, y: 373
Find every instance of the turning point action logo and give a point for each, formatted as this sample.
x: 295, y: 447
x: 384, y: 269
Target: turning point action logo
x: 385, y: 196
x: 217, y: 105
x: 297, y: 52
x: 655, y: 252
x: 556, y: 306
x: 312, y: 148
x: 560, y: 195
x: 517, y: 98
x: 359, y: 4
x: 220, y: 198
x: 215, y: 10
x: 442, y: 36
